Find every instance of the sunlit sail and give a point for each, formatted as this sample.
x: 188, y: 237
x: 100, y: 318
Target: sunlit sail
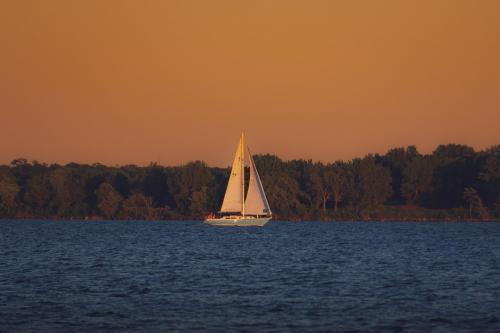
x: 237, y: 210
x: 256, y: 201
x: 233, y: 199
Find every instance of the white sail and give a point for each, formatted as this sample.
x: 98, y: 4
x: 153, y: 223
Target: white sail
x: 233, y: 199
x: 256, y: 201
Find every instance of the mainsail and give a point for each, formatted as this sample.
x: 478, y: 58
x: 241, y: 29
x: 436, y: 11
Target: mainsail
x: 233, y: 199
x: 256, y: 201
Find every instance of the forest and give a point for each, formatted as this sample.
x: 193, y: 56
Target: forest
x: 454, y: 182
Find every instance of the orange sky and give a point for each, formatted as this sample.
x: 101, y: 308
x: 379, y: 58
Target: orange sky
x: 121, y: 82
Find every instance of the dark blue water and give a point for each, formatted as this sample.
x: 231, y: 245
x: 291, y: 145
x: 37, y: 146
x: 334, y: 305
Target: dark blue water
x: 186, y: 276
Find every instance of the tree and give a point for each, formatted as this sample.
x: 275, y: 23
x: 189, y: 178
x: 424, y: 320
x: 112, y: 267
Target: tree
x: 199, y: 202
x: 185, y: 181
x: 90, y: 188
x: 339, y: 182
x: 475, y: 203
x: 488, y: 184
x: 417, y: 179
x: 452, y: 177
x: 449, y: 180
x: 8, y: 193
x: 108, y: 200
x: 19, y: 162
x: 155, y: 186
x: 122, y: 184
x: 38, y: 195
x: 396, y: 160
x: 281, y: 185
x: 139, y: 207
x: 314, y: 177
x: 493, y: 150
x: 326, y: 176
x: 452, y: 151
x: 68, y: 195
x: 372, y: 184
x: 496, y: 208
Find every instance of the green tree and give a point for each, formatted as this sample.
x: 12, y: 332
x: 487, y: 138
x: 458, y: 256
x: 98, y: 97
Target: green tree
x: 396, y: 160
x: 372, y: 184
x: 199, y: 203
x: 489, y: 179
x: 108, y: 200
x: 8, y: 193
x: 449, y: 179
x: 475, y: 203
x: 452, y: 151
x: 417, y: 179
x: 281, y: 186
x: 185, y: 181
x: 122, y: 184
x: 140, y: 207
x: 19, y: 162
x: 296, y: 189
x: 68, y: 195
x: 340, y: 183
x: 316, y: 187
x: 496, y: 208
x: 38, y: 195
x: 155, y: 186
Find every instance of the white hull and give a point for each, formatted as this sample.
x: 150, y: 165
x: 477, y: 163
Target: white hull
x: 239, y: 221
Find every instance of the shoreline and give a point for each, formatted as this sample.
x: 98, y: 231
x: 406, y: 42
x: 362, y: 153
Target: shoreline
x: 293, y: 220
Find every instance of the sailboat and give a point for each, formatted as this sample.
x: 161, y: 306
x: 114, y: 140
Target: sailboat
x: 237, y: 210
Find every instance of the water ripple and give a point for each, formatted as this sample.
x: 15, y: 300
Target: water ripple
x: 286, y: 277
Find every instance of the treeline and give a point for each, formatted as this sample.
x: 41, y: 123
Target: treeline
x: 454, y: 182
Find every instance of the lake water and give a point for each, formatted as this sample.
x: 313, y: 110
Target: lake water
x: 286, y: 277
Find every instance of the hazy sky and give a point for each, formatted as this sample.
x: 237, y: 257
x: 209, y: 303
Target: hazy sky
x: 121, y: 82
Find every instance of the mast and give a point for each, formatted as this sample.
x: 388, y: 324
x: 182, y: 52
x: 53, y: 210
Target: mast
x: 242, y: 173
